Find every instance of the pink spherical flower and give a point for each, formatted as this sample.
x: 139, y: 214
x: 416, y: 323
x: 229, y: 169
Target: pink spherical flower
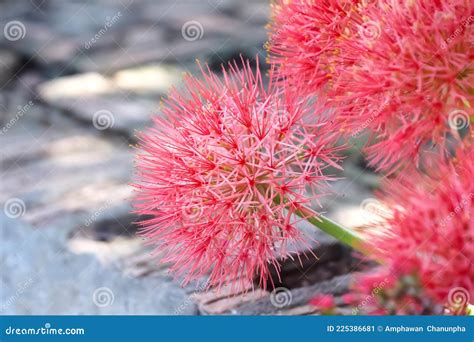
x: 400, y: 69
x: 224, y: 172
x: 413, y: 78
x: 308, y: 38
x: 427, y: 243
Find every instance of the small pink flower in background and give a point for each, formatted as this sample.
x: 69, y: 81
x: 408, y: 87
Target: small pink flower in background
x: 323, y: 302
x: 223, y: 173
x: 387, y: 292
x: 427, y: 245
x: 349, y: 298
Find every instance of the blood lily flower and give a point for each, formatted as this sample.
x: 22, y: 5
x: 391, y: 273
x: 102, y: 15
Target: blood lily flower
x: 427, y: 244
x: 413, y: 80
x: 324, y: 302
x: 307, y: 38
x: 224, y: 173
x: 400, y: 69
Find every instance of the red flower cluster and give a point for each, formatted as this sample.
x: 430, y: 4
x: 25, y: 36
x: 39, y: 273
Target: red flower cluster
x: 307, y: 38
x: 324, y: 302
x: 401, y: 69
x: 224, y: 173
x: 427, y: 244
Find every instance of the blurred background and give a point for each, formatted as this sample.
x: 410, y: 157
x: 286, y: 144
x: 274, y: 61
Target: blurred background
x: 77, y: 80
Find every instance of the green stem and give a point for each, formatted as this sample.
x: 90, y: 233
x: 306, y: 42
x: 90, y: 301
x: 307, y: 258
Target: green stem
x: 336, y: 230
x: 330, y: 227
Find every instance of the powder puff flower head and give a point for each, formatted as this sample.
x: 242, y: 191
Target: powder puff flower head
x: 223, y: 174
x: 424, y: 246
x: 427, y: 245
x: 401, y: 69
x: 414, y: 79
x: 306, y: 38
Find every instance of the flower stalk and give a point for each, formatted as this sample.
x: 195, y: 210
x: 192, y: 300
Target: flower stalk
x: 330, y: 227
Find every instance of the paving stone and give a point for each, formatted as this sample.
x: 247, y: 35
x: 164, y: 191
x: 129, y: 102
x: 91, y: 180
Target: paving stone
x: 41, y: 277
x: 119, y: 103
x: 108, y: 36
x: 9, y: 61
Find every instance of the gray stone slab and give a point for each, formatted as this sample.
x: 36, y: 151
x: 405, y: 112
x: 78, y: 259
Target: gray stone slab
x: 41, y: 276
